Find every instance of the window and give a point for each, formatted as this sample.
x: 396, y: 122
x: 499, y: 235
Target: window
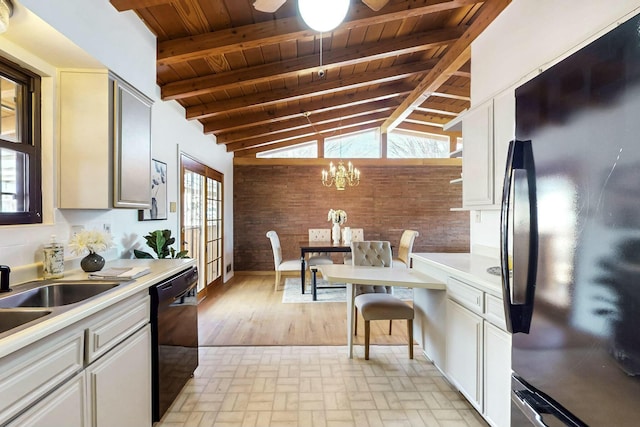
x: 21, y: 199
x: 413, y: 145
x: 365, y: 144
x: 308, y: 150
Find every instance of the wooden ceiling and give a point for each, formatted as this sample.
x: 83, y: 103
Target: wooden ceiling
x: 252, y: 78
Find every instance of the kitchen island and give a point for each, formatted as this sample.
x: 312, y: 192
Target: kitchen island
x: 463, y: 330
x: 91, y: 363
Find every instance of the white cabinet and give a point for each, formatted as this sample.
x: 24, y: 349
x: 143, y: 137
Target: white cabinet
x: 486, y: 131
x: 105, y: 142
x: 477, y: 163
x: 96, y: 372
x: 64, y: 407
x: 33, y: 372
x: 497, y: 375
x: 504, y: 130
x: 464, y: 352
x: 120, y: 384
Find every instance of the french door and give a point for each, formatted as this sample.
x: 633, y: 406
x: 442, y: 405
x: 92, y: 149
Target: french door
x: 201, y: 223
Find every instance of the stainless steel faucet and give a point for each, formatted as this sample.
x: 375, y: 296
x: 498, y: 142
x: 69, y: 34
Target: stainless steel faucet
x: 4, y: 278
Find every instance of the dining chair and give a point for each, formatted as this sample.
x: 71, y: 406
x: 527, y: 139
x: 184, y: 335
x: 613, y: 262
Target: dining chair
x: 376, y: 302
x: 405, y: 249
x: 319, y: 258
x: 280, y: 264
x: 357, y: 235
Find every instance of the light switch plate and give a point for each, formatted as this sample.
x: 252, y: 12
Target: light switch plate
x: 172, y: 206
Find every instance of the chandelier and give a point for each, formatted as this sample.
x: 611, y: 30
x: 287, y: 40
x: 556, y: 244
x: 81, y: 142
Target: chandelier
x: 341, y: 176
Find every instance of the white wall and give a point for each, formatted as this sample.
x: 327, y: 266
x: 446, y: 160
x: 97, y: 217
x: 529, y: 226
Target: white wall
x: 95, y: 35
x: 527, y: 38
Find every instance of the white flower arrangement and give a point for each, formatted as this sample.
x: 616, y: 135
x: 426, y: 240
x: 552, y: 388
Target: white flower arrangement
x: 90, y: 240
x: 337, y: 216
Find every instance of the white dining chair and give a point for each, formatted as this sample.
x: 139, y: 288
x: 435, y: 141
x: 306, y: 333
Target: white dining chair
x: 357, y: 235
x: 376, y: 302
x: 281, y: 266
x: 405, y: 249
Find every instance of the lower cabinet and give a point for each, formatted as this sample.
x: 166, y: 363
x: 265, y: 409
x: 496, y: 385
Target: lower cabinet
x: 95, y: 373
x: 64, y: 407
x: 464, y: 351
x: 120, y: 382
x: 497, y: 375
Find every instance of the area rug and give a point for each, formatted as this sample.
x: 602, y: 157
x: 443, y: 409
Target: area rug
x: 292, y: 293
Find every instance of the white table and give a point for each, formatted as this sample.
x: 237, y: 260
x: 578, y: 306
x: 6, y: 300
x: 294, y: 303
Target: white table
x: 360, y: 275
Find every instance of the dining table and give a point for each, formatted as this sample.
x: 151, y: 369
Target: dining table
x: 312, y: 246
x: 365, y: 275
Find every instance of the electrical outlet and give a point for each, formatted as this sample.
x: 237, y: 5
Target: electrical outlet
x: 478, y: 217
x: 75, y: 229
x: 106, y: 227
x: 228, y: 268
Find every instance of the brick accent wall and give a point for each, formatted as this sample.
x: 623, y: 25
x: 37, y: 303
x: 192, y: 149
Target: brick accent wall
x: 291, y: 199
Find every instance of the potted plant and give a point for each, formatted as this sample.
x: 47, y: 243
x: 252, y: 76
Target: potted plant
x: 160, y: 241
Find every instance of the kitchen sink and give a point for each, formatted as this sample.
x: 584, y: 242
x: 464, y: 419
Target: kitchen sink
x: 10, y: 319
x: 55, y: 294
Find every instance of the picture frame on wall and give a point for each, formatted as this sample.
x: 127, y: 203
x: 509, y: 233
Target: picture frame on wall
x: 158, y: 210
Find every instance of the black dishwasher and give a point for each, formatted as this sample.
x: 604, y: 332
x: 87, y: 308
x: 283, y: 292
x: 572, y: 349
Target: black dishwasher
x: 174, y: 327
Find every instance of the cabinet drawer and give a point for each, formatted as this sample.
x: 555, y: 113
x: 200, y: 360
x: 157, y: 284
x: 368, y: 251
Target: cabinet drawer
x: 465, y: 294
x: 34, y: 371
x: 115, y: 325
x: 494, y: 310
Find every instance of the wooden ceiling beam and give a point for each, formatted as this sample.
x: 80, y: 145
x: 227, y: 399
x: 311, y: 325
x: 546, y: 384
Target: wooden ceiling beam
x: 350, y: 129
x: 124, y: 5
x: 444, y: 109
x: 320, y: 87
x: 453, y: 92
x: 453, y: 59
x: 278, y: 31
x: 247, y: 119
x: 307, y: 121
x: 305, y: 132
x: 426, y: 119
x: 309, y: 64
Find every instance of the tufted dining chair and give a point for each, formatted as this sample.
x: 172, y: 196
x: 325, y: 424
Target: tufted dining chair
x: 357, y: 235
x: 319, y: 235
x: 376, y: 302
x: 405, y: 249
x: 280, y: 264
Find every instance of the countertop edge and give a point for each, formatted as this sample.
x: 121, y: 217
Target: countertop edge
x: 451, y: 264
x: 160, y: 270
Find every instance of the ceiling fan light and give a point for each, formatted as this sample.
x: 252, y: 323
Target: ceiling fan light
x: 323, y: 15
x: 6, y: 10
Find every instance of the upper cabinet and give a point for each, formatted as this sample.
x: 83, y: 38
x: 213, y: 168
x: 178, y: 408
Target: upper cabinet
x: 477, y: 157
x: 486, y: 131
x: 105, y: 142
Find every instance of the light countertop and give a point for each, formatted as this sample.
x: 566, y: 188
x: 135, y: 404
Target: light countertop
x: 467, y: 267
x: 28, y: 334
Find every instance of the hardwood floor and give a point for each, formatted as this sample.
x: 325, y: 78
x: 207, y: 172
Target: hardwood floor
x: 247, y: 311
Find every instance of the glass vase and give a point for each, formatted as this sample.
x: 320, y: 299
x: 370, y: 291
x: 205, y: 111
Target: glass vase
x: 92, y: 262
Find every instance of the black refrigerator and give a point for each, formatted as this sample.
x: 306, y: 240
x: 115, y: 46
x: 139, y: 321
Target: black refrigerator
x: 570, y: 239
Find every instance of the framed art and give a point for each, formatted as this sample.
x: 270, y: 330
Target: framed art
x: 158, y: 208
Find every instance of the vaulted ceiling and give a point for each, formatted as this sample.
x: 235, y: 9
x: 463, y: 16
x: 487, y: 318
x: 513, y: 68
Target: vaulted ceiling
x: 252, y: 78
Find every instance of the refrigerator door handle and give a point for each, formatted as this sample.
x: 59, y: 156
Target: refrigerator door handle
x: 518, y: 315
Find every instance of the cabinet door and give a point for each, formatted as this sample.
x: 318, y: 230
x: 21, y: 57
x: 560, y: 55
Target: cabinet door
x: 85, y: 141
x: 477, y: 157
x: 497, y: 375
x: 464, y: 352
x: 504, y: 130
x: 120, y: 384
x: 64, y: 407
x: 132, y: 145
